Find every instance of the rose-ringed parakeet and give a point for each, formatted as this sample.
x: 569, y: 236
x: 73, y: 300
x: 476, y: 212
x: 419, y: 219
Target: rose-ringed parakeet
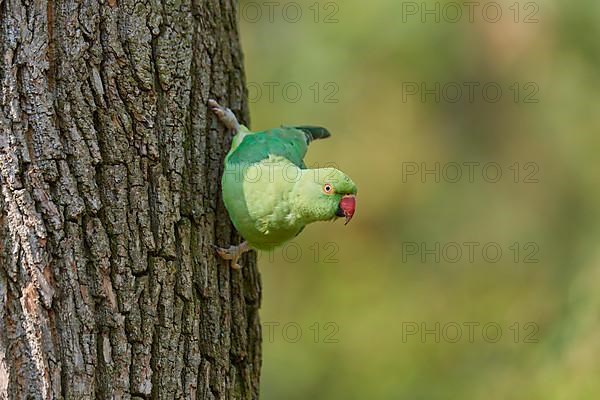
x: 269, y: 192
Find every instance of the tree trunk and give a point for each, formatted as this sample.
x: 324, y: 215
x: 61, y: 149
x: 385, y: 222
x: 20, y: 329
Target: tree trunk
x: 109, y: 170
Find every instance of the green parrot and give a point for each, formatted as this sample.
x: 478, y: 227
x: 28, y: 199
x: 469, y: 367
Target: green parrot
x: 269, y: 193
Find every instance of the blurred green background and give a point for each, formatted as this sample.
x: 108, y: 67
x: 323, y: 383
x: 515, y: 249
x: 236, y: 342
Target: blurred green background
x: 345, y: 309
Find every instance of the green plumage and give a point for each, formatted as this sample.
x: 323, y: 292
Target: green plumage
x: 268, y: 191
x: 288, y: 142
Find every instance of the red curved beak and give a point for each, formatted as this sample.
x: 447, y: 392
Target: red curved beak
x: 348, y: 206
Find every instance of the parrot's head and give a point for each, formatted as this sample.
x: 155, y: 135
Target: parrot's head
x: 325, y: 194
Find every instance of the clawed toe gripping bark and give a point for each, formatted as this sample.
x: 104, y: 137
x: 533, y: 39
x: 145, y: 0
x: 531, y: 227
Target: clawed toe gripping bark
x: 233, y: 253
x: 225, y: 115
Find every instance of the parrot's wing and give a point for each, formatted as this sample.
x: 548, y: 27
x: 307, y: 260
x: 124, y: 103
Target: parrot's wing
x: 288, y: 142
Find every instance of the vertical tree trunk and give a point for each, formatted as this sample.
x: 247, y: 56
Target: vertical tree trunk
x: 109, y: 170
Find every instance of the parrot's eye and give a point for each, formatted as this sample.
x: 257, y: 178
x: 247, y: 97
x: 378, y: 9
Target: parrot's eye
x: 327, y: 188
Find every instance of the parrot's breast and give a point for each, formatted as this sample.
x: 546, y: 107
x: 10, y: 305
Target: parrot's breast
x: 257, y: 199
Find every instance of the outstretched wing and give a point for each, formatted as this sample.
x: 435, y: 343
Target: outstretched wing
x: 288, y: 142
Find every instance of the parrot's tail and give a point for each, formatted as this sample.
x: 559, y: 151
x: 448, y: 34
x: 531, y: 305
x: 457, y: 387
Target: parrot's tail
x: 314, y: 132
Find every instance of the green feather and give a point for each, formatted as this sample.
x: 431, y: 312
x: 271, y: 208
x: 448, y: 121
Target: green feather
x: 290, y: 143
x: 267, y: 190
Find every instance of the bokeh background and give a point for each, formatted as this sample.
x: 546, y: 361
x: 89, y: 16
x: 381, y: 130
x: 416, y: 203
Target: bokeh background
x: 350, y: 312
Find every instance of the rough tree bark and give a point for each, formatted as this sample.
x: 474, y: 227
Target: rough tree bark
x: 109, y: 170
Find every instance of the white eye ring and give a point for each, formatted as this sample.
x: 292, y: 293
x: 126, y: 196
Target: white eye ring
x: 327, y: 188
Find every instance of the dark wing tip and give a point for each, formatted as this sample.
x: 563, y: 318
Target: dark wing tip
x: 314, y: 132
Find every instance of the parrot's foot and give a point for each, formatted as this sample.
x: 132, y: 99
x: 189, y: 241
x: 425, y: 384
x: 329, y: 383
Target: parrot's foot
x: 233, y: 253
x: 225, y: 115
